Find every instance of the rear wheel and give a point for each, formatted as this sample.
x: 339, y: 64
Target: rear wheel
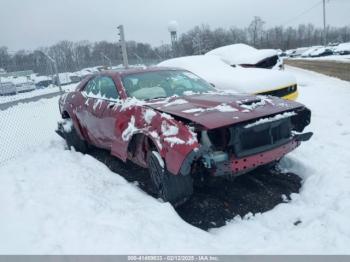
x: 72, y: 138
x: 175, y: 189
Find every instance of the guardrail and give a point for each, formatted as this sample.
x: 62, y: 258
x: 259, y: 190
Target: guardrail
x: 7, y: 105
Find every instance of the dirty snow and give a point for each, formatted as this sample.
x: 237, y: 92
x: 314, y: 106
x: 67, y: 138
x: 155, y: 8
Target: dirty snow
x: 54, y: 201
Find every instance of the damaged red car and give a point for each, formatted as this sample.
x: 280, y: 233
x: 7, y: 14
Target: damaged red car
x: 178, y: 126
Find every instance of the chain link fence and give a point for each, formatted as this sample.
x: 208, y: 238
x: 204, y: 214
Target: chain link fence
x: 27, y: 121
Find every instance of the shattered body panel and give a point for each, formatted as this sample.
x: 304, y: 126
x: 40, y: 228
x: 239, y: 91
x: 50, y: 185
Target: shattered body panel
x: 192, y: 132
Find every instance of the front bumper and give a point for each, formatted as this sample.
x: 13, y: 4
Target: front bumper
x: 236, y: 166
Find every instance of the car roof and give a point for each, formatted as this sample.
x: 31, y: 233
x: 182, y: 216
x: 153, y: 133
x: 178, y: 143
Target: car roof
x: 135, y: 70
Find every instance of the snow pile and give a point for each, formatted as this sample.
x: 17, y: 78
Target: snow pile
x: 238, y: 79
x: 238, y: 54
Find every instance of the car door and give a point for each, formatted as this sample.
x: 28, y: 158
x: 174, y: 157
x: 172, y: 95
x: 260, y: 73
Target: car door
x: 111, y: 107
x: 91, y: 112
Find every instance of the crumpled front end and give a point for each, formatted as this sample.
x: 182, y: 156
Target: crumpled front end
x: 237, y: 149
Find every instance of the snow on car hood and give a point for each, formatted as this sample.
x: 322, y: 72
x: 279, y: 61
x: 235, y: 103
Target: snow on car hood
x: 218, y: 109
x: 238, y: 54
x: 236, y: 79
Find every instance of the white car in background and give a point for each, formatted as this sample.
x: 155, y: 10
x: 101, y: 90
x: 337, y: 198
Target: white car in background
x: 7, y: 88
x: 22, y: 83
x: 238, y: 79
x: 248, y: 56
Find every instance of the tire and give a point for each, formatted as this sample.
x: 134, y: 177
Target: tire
x: 176, y: 189
x: 72, y: 138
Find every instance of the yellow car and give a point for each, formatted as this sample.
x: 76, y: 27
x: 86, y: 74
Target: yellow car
x: 289, y: 92
x: 238, y: 79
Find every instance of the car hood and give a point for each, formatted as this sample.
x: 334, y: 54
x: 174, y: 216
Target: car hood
x: 233, y: 79
x: 218, y: 110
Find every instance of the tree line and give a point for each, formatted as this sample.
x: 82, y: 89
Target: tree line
x: 73, y: 56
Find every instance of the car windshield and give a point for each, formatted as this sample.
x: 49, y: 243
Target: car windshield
x: 165, y: 83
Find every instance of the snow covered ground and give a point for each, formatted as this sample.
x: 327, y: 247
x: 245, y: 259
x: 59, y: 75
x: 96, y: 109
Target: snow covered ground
x: 54, y: 201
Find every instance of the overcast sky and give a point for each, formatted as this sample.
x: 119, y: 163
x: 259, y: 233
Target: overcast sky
x: 28, y: 24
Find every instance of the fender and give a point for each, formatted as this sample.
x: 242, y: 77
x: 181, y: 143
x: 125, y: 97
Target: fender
x: 173, y: 139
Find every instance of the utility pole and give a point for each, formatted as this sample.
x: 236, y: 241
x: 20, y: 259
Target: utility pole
x: 324, y: 24
x: 123, y: 46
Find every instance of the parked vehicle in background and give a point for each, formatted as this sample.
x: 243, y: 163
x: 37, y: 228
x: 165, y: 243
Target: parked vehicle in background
x: 296, y: 52
x: 238, y: 79
x: 7, y: 88
x: 317, y: 51
x: 178, y: 126
x: 25, y: 87
x: 342, y: 49
x: 67, y: 78
x: 248, y: 56
x: 22, y: 83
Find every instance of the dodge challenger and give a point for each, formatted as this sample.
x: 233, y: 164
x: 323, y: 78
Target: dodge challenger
x: 178, y: 126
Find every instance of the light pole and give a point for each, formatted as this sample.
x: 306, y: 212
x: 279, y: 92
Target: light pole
x: 53, y: 61
x: 324, y: 24
x: 123, y: 46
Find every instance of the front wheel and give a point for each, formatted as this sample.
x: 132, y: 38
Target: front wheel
x: 72, y: 138
x: 175, y: 189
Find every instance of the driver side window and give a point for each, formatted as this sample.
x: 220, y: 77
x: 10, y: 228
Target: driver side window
x: 91, y: 88
x: 108, y: 88
x: 102, y: 87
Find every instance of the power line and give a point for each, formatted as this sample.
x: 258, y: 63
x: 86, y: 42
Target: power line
x: 302, y: 13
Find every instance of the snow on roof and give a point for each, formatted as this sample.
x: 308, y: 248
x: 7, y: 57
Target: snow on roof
x: 342, y: 47
x: 238, y: 54
x: 235, y: 79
